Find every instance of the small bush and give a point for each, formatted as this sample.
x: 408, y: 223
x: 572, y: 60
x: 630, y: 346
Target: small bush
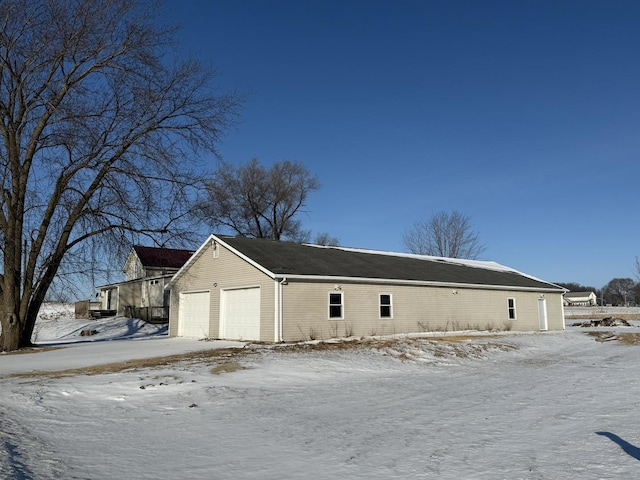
x: 423, y: 326
x: 333, y: 328
x: 348, y: 330
x: 312, y: 333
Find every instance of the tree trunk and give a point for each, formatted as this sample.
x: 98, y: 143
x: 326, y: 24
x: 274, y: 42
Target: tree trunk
x: 18, y: 323
x: 29, y: 324
x: 35, y: 302
x: 11, y: 327
x: 10, y: 333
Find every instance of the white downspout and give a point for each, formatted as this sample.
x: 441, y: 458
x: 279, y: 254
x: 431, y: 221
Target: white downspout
x: 278, y: 324
x: 276, y: 311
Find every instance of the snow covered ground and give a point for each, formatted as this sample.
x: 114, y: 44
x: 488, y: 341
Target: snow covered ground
x: 556, y: 405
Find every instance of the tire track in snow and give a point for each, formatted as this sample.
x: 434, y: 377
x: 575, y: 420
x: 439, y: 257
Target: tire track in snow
x: 21, y: 454
x: 13, y: 463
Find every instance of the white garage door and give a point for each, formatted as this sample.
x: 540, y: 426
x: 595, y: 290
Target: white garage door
x: 240, y: 313
x: 193, y: 315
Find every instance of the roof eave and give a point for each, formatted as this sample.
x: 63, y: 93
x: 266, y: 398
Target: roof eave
x: 318, y: 278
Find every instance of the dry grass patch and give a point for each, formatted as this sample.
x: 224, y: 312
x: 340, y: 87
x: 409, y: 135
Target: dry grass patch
x: 602, y: 336
x: 462, y: 338
x: 227, y: 367
x: 411, y: 348
x: 623, y: 338
x: 328, y: 345
x: 629, y: 338
x: 191, y: 357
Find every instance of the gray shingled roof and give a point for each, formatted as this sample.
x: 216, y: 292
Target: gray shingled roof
x: 293, y: 259
x: 162, y: 257
x: 578, y: 294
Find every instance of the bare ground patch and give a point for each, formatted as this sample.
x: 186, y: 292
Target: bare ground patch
x: 136, y: 364
x: 34, y: 349
x: 228, y: 367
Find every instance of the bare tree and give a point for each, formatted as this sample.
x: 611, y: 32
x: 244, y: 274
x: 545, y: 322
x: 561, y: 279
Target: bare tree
x: 96, y: 124
x: 444, y: 235
x: 620, y: 291
x: 325, y: 239
x: 253, y: 201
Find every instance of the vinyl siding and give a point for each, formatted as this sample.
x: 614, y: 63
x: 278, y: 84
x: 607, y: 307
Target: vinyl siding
x: 155, y: 293
x: 415, y: 309
x: 133, y: 268
x: 129, y: 294
x: 304, y: 302
x: 226, y: 271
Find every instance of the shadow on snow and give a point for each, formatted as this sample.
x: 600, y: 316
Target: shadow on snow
x: 627, y: 448
x: 132, y: 333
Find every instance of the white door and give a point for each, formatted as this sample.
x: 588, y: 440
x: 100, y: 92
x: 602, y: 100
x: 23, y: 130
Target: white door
x: 240, y: 314
x: 193, y: 315
x: 542, y: 313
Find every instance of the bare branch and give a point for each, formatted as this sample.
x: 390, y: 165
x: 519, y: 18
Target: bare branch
x: 253, y: 201
x: 444, y: 235
x: 99, y: 130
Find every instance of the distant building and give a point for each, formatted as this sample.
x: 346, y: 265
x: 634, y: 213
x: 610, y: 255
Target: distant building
x: 580, y: 299
x: 142, y: 295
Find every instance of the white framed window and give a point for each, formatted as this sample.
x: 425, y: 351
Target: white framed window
x: 386, y: 305
x: 511, y: 307
x: 336, y: 305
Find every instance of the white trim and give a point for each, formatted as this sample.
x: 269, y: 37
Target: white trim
x: 277, y: 314
x: 543, y: 318
x: 329, y: 304
x: 198, y: 253
x: 509, y: 308
x: 390, y: 295
x: 280, y: 334
x: 247, y: 259
x: 200, y: 290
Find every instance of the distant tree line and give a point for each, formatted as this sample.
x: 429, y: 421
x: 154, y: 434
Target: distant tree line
x: 618, y: 291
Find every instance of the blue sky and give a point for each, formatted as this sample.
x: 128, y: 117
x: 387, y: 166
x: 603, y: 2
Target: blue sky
x: 522, y: 115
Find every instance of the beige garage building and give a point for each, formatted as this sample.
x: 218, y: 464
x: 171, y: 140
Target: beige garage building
x: 264, y: 290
